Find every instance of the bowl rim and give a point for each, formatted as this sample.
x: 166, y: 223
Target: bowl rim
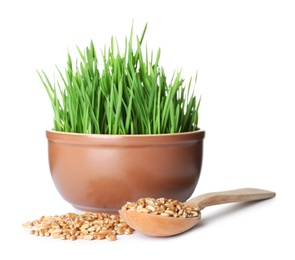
x: 117, y: 139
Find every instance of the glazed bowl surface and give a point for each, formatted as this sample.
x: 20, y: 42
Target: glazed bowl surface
x: 100, y: 173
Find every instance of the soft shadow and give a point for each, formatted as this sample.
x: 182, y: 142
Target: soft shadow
x: 228, y: 209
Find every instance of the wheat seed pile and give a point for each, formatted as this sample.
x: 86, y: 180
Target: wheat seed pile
x: 87, y: 226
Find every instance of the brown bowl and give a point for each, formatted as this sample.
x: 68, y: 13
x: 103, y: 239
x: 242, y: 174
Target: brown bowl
x: 100, y: 173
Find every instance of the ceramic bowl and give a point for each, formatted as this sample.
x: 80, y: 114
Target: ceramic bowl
x: 100, y: 173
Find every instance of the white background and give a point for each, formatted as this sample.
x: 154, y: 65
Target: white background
x: 244, y: 52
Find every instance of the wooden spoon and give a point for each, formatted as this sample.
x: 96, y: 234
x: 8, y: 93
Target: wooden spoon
x: 156, y: 225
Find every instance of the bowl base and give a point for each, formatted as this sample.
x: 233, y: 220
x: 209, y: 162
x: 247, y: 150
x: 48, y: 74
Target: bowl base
x: 96, y: 210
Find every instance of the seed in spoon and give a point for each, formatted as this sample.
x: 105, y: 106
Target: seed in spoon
x: 163, y: 207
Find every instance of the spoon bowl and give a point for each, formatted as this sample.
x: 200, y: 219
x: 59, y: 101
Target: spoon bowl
x: 156, y: 225
x: 160, y: 226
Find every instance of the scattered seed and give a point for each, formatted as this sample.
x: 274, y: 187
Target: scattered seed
x: 111, y: 237
x: 27, y: 225
x: 88, y: 237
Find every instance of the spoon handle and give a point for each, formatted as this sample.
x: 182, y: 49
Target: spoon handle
x: 222, y: 197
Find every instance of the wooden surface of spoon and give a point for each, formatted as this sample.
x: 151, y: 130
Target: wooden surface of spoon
x: 156, y: 225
